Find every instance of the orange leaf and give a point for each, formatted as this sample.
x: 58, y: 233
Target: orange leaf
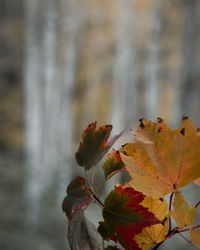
x: 162, y: 160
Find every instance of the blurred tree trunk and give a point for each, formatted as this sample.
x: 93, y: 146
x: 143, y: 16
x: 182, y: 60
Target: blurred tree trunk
x: 190, y: 70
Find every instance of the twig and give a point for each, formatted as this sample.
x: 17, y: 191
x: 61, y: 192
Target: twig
x: 170, y: 207
x: 87, y: 180
x: 96, y: 199
x: 93, y: 175
x: 157, y: 245
x: 184, y: 237
x: 187, y: 229
x: 197, y: 204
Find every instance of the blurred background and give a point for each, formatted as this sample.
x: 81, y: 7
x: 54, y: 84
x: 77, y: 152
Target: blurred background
x: 66, y: 63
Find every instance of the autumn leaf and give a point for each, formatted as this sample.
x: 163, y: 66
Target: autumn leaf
x: 94, y: 145
x: 124, y: 216
x: 195, y: 237
x: 182, y: 213
x: 113, y: 164
x: 155, y: 233
x: 77, y: 196
x: 161, y: 160
x: 82, y: 234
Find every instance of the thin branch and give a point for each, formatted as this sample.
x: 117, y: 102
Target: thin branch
x: 170, y: 207
x: 87, y: 180
x: 171, y: 234
x: 93, y: 175
x: 96, y: 199
x: 197, y: 204
x: 184, y: 237
x: 187, y: 229
x: 157, y: 245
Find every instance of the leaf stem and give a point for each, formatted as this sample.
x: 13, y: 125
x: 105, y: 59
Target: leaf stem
x: 157, y: 245
x: 184, y: 237
x: 87, y: 180
x: 170, y: 207
x: 187, y: 229
x: 92, y: 194
x: 173, y: 232
x: 96, y: 199
x: 197, y: 204
x: 93, y: 175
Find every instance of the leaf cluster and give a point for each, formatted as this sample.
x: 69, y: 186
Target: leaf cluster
x: 136, y: 215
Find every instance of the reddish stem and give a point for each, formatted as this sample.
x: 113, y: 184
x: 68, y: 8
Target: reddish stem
x: 170, y: 235
x: 170, y: 207
x: 197, y: 204
x: 187, y: 229
x: 184, y: 237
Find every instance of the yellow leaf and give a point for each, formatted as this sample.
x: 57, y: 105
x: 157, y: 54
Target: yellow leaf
x: 162, y: 160
x: 156, y: 233
x: 182, y: 213
x: 195, y: 237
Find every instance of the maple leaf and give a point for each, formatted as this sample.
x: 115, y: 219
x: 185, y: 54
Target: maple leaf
x: 82, y: 234
x: 182, y: 213
x: 161, y: 160
x: 124, y: 216
x: 113, y: 164
x: 195, y: 237
x: 155, y: 233
x: 94, y: 145
x: 77, y: 196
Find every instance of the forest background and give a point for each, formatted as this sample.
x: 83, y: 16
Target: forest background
x: 66, y: 63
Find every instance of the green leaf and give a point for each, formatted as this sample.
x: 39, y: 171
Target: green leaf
x: 113, y: 164
x: 94, y: 145
x: 77, y: 196
x: 82, y: 234
x: 124, y: 217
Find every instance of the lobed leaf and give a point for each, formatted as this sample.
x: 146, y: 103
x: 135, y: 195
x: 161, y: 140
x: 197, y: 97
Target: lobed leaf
x: 113, y: 164
x: 77, y: 196
x: 161, y: 160
x: 124, y: 216
x: 82, y: 234
x: 155, y: 233
x: 94, y: 145
x: 182, y: 213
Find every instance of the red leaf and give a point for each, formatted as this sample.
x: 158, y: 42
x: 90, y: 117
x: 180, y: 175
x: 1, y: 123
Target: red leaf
x: 124, y: 217
x: 77, y: 196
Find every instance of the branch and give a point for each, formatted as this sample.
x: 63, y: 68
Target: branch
x: 92, y: 194
x: 197, y: 204
x: 170, y: 207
